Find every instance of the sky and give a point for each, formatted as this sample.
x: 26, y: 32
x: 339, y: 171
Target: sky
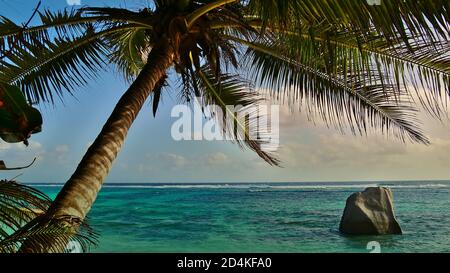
x: 308, y: 151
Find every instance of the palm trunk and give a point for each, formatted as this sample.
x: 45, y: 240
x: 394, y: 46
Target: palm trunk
x: 80, y: 191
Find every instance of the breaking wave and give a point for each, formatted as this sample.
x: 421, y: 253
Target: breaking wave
x: 261, y: 187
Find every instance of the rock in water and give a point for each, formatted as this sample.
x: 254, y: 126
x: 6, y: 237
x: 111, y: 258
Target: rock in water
x: 370, y: 212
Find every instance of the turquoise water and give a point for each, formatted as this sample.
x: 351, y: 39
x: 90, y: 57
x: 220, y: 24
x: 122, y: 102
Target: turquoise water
x: 289, y: 217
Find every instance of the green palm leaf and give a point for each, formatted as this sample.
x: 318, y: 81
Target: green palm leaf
x: 66, y: 23
x: 230, y: 90
x: 393, y: 19
x: 21, y: 218
x: 45, y: 69
x: 19, y: 204
x: 358, y: 100
x: 398, y: 63
x: 51, y: 235
x: 45, y: 64
x: 129, y: 50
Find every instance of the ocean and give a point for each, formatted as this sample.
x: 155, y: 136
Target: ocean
x: 266, y: 217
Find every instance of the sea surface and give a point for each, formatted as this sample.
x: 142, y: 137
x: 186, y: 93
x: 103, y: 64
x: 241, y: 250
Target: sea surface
x: 268, y: 217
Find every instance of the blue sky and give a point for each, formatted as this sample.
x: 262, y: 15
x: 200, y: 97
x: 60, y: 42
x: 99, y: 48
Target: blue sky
x: 309, y: 152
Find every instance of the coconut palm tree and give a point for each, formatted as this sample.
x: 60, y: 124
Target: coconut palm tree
x: 353, y: 64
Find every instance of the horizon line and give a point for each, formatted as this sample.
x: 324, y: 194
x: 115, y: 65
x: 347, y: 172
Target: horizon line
x: 262, y: 182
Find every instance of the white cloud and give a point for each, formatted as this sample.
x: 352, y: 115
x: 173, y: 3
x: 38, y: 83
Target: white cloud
x: 17, y: 154
x: 162, y: 162
x: 62, y: 149
x: 61, y: 153
x: 218, y: 158
x: 176, y: 160
x: 19, y: 149
x: 183, y: 163
x: 341, y: 150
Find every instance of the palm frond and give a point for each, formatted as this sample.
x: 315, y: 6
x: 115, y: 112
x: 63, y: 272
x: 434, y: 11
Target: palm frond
x: 13, y: 35
x: 129, y: 48
x: 392, y: 19
x: 63, y: 64
x: 55, y: 235
x: 354, y: 97
x: 230, y: 90
x: 156, y: 95
x: 19, y: 204
x: 143, y: 18
x: 418, y: 66
x: 66, y: 24
x: 22, y: 210
x: 413, y: 61
x: 69, y: 47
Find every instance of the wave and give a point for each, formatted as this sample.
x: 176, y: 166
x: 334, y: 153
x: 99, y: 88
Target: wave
x: 45, y: 185
x: 417, y: 186
x: 260, y: 187
x: 264, y: 187
x: 356, y: 186
x: 240, y: 186
x: 334, y: 186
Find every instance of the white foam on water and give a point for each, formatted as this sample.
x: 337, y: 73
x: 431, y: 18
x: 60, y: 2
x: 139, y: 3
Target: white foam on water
x: 427, y: 186
x: 274, y: 187
x: 259, y: 187
x: 239, y: 186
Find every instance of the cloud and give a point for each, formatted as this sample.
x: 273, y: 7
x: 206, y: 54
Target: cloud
x: 62, y: 149
x: 346, y: 157
x: 162, y: 162
x: 61, y: 153
x: 183, y: 163
x: 19, y: 153
x: 34, y: 145
x: 218, y: 158
x: 176, y: 160
x: 312, y: 150
x: 341, y: 151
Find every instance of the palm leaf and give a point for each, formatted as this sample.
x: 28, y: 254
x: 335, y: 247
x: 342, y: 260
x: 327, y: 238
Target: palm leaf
x: 19, y: 204
x: 62, y: 64
x: 143, y: 18
x: 231, y: 90
x: 62, y: 234
x: 21, y: 219
x: 156, y: 97
x: 342, y: 99
x: 400, y: 64
x: 392, y: 19
x: 129, y: 50
x: 66, y: 23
